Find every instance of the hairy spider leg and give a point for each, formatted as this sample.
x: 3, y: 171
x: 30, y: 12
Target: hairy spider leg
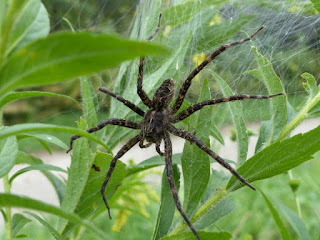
x: 142, y: 94
x: 168, y: 159
x: 192, y: 109
x: 127, y: 103
x: 193, y: 139
x: 133, y: 141
x: 186, y: 84
x: 111, y: 121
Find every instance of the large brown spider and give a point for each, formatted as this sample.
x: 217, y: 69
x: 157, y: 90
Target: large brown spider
x: 157, y: 122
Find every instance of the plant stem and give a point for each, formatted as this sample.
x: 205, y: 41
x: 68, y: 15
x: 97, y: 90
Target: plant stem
x: 202, y: 210
x: 8, y: 224
x: 299, y: 117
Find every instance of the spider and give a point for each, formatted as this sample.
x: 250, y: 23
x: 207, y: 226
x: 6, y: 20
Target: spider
x: 158, y: 122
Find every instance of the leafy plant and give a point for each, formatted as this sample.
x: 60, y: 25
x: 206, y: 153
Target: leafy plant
x: 31, y: 57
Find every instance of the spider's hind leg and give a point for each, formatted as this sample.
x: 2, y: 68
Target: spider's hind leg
x: 168, y: 159
x: 133, y: 141
x: 191, y: 138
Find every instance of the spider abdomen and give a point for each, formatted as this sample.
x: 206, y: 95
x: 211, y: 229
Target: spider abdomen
x: 163, y: 95
x: 154, y: 124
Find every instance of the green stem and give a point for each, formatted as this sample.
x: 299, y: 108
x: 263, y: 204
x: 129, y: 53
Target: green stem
x: 299, y: 117
x: 202, y: 210
x: 8, y: 224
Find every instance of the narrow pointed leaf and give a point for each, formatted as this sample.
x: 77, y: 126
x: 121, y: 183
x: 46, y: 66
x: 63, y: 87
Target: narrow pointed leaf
x: 45, y: 137
x: 90, y: 201
x: 13, y: 96
x: 278, y: 158
x: 195, y: 162
x: 41, y: 167
x: 18, y: 222
x: 11, y: 200
x: 64, y: 56
x: 37, y: 127
x: 279, y: 111
x: 53, y: 232
x: 276, y: 217
x: 294, y: 220
x: 58, y: 185
x: 8, y: 153
x: 235, y: 110
x: 167, y: 206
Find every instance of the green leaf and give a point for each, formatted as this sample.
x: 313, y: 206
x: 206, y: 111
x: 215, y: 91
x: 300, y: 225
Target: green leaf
x: 278, y: 158
x: 41, y: 167
x: 8, y: 154
x: 18, y: 222
x: 53, y: 232
x: 167, y: 206
x: 186, y: 11
x: 235, y: 109
x: 11, y: 200
x: 310, y: 84
x: 195, y: 162
x: 55, y: 58
x: 28, y: 16
x: 91, y: 199
x: 264, y: 134
x: 276, y: 217
x: 81, y: 161
x: 45, y: 137
x: 36, y: 127
x: 203, y: 236
x: 89, y: 106
x: 316, y: 4
x: 39, y: 28
x: 58, y: 185
x: 294, y: 220
x: 214, y: 132
x: 13, y: 96
x: 279, y: 111
x: 151, y: 163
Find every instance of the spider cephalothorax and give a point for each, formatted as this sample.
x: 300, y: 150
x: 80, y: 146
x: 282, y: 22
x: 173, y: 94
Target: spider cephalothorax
x: 158, y: 122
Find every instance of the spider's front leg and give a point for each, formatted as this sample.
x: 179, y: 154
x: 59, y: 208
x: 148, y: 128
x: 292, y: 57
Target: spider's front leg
x: 187, y: 83
x: 133, y: 141
x: 168, y: 159
x: 193, y: 139
x: 142, y: 94
x: 192, y: 109
x: 111, y: 121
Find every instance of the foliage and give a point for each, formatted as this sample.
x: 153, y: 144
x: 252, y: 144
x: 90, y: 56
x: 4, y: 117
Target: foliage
x: 31, y: 57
